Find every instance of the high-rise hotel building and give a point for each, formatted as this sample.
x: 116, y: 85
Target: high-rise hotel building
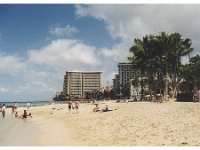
x: 127, y: 72
x: 77, y: 84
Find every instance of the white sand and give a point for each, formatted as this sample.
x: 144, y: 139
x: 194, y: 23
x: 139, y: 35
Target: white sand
x: 129, y: 124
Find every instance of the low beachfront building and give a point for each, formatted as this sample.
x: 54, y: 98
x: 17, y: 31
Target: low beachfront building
x: 77, y: 83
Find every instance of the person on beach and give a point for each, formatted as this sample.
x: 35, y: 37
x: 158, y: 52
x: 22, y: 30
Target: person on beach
x: 196, y: 96
x: 16, y: 114
x: 25, y: 115
x: 104, y: 109
x: 76, y: 106
x: 15, y: 106
x: 3, y: 110
x: 96, y: 109
x: 70, y: 106
x: 28, y: 105
x: 159, y: 98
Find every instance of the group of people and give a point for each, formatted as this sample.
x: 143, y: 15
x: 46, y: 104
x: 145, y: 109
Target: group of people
x: 159, y: 98
x: 72, y: 106
x: 24, y: 115
x: 14, y: 111
x: 100, y: 108
x: 196, y: 96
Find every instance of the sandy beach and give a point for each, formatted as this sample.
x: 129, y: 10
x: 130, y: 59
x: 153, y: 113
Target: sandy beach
x: 129, y: 124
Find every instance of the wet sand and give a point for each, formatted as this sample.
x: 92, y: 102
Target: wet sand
x: 17, y: 132
x: 129, y: 124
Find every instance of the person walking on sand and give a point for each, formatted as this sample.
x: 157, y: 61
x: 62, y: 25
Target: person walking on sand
x: 70, y: 106
x: 76, y: 106
x: 3, y: 110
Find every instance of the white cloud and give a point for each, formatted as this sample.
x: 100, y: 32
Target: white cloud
x: 11, y: 65
x: 41, y: 73
x: 132, y: 21
x: 64, y: 53
x: 3, y: 89
x: 62, y: 31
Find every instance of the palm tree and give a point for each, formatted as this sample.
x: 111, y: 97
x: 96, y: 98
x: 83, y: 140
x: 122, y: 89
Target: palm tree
x: 190, y: 74
x: 178, y: 48
x: 169, y: 50
x: 160, y: 52
x: 140, y: 58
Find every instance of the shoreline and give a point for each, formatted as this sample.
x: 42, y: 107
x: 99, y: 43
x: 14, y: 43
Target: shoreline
x: 129, y: 124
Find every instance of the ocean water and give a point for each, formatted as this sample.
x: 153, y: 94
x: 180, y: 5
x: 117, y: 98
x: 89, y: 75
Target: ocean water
x: 21, y: 104
x: 17, y: 132
x: 33, y: 103
x: 20, y: 132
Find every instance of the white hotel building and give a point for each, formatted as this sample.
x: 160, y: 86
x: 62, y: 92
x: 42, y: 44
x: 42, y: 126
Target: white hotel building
x: 76, y: 83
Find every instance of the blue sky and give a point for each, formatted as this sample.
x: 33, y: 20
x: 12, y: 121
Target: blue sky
x: 24, y: 27
x: 27, y: 26
x: 40, y: 42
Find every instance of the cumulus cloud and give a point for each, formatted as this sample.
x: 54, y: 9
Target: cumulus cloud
x: 135, y: 21
x: 11, y: 65
x: 43, y: 70
x: 45, y: 67
x: 41, y: 73
x: 62, y: 31
x: 62, y: 53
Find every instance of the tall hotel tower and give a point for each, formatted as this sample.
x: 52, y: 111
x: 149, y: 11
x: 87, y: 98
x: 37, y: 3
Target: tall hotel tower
x: 77, y: 84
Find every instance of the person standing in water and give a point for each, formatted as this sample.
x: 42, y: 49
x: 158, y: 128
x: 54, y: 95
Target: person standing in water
x: 15, y: 106
x: 28, y: 105
x: 3, y: 110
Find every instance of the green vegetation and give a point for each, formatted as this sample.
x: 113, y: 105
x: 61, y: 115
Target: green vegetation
x: 190, y: 74
x: 158, y: 57
x: 59, y: 97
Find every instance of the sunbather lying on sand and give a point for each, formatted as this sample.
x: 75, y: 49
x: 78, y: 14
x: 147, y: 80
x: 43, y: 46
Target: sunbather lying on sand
x: 96, y: 108
x: 104, y: 109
